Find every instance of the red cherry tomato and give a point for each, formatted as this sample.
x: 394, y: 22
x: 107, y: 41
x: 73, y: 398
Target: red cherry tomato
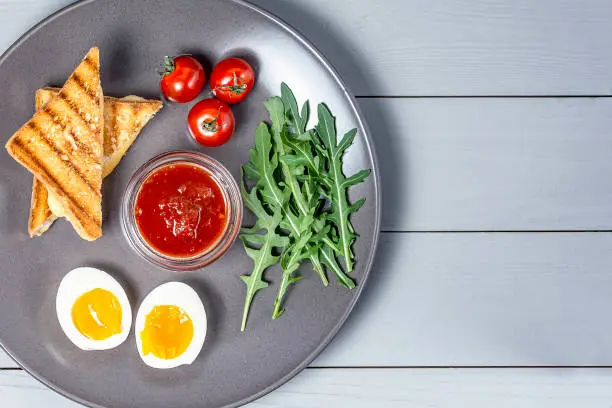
x: 211, y: 122
x: 232, y: 80
x: 183, y: 78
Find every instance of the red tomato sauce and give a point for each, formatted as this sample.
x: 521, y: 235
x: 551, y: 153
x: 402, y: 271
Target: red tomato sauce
x: 180, y: 210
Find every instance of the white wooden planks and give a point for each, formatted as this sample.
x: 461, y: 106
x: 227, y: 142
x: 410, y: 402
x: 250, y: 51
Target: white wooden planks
x: 493, y: 163
x: 497, y: 299
x: 420, y: 47
x: 461, y: 47
x: 17, y: 16
x: 6, y: 361
x: 390, y: 388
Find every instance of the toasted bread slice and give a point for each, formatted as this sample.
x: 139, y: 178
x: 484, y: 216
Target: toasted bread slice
x: 62, y: 145
x: 41, y: 216
x: 123, y: 121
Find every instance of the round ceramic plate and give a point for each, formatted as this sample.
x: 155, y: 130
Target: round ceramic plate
x: 233, y: 367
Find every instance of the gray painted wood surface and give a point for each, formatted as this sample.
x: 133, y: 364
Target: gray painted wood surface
x: 391, y: 388
x: 461, y: 47
x: 441, y: 298
x: 493, y: 163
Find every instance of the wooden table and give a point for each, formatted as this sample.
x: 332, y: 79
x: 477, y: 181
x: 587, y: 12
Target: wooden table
x: 493, y: 283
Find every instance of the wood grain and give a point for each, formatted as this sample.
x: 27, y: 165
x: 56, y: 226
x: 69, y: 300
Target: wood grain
x: 461, y: 47
x: 500, y: 299
x: 493, y: 163
x: 17, y: 16
x: 497, y: 299
x: 407, y: 388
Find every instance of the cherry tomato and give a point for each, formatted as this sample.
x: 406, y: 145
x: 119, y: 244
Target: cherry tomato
x: 211, y: 122
x: 182, y: 79
x: 232, y: 80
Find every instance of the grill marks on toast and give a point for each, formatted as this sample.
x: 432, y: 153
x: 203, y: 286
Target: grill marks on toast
x: 118, y: 137
x: 60, y: 183
x: 123, y: 124
x: 92, y: 64
x: 83, y: 215
x: 53, y: 115
x: 110, y: 129
x: 62, y: 146
x: 81, y: 84
x: 64, y: 108
x: 60, y: 153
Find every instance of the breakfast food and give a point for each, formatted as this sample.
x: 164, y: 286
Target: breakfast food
x: 123, y: 120
x: 170, y: 326
x: 211, y: 122
x: 62, y: 145
x: 180, y: 210
x: 182, y: 78
x: 232, y: 80
x: 93, y: 309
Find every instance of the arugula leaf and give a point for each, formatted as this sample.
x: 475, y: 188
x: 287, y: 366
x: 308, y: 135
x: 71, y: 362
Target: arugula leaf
x: 337, y: 184
x: 260, y: 240
x: 265, y: 161
x: 291, y: 258
x: 328, y: 257
x: 258, y: 243
x: 327, y: 251
x: 297, y: 120
x: 291, y: 171
x: 276, y: 108
x: 300, y: 198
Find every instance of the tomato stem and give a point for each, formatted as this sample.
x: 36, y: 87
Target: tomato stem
x: 237, y: 88
x: 212, y: 125
x: 167, y: 66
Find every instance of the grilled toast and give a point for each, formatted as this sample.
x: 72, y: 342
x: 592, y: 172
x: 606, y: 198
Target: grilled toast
x: 62, y: 145
x: 123, y: 120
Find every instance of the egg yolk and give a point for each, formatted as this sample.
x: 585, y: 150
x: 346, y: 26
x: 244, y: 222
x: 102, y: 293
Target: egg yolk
x: 97, y: 314
x: 167, y: 332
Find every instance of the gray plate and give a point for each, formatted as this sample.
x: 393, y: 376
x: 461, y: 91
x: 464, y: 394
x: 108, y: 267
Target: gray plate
x: 234, y: 367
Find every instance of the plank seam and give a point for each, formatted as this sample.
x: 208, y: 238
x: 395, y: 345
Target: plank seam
x: 544, y: 231
x: 463, y: 367
x: 460, y: 367
x: 482, y: 96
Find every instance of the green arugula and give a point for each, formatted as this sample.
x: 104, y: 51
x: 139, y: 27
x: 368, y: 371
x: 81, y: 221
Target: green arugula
x: 300, y: 198
x: 260, y: 240
x: 337, y: 185
x: 259, y: 246
x: 304, y: 153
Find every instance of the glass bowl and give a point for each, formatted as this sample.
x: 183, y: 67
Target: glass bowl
x: 233, y: 208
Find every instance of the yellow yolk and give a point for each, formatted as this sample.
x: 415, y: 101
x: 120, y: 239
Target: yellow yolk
x: 167, y: 332
x: 97, y: 314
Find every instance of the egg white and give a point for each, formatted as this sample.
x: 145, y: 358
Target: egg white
x: 183, y: 296
x: 80, y: 281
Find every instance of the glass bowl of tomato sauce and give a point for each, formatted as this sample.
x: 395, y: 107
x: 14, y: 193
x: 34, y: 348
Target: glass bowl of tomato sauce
x: 181, y: 210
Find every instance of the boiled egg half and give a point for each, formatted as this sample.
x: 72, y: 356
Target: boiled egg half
x: 170, y: 326
x: 93, y: 309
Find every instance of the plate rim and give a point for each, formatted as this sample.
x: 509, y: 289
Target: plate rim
x: 375, y: 177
